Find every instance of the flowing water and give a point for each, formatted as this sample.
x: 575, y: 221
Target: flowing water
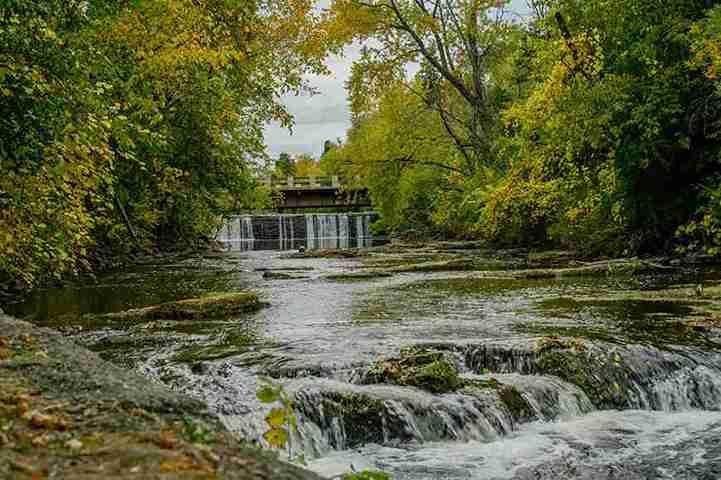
x: 288, y: 232
x: 632, y: 394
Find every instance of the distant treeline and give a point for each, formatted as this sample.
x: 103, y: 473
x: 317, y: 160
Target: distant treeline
x: 590, y: 125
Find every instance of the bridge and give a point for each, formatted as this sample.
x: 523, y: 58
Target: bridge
x: 318, y: 192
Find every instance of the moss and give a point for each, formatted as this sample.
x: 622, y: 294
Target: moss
x: 366, y: 475
x: 216, y: 305
x: 363, y: 418
x: 518, y: 407
x: 557, y: 343
x: 619, y: 267
x: 475, y: 286
x: 659, y: 321
x: 231, y: 345
x: 357, y: 277
x: 268, y: 275
x: 444, y: 266
x: 512, y: 399
x: 424, y: 369
x: 624, y: 307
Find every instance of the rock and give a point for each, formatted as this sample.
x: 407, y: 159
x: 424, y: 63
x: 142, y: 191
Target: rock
x: 350, y: 277
x: 443, y: 266
x: 268, y: 275
x: 330, y: 253
x: 122, y: 415
x: 216, y: 305
x: 420, y: 368
x: 74, y: 444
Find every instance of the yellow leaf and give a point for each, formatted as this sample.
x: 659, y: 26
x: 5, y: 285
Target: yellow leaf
x: 277, y: 417
x: 276, y: 437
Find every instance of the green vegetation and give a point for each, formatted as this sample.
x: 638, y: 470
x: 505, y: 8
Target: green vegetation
x: 231, y: 344
x: 421, y: 368
x: 357, y: 276
x: 366, y: 475
x: 217, y: 305
x: 129, y: 126
x: 281, y: 419
x: 591, y: 126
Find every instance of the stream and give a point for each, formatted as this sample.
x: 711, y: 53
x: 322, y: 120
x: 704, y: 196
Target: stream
x: 613, y: 383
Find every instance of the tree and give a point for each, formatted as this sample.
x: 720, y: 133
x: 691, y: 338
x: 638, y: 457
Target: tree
x: 130, y: 125
x: 398, y: 152
x: 455, y: 43
x: 306, y: 166
x: 285, y: 165
x: 606, y: 140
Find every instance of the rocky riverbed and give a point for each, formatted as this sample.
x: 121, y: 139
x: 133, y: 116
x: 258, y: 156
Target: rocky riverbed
x: 429, y: 361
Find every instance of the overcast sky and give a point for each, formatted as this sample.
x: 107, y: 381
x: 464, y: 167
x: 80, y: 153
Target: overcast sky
x: 326, y: 115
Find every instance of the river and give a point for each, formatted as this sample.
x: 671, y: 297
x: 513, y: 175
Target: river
x: 633, y: 391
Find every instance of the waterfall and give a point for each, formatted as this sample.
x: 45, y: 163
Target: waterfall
x: 363, y: 235
x: 286, y: 232
x: 246, y: 233
x: 289, y: 231
x: 343, y: 231
x: 338, y: 416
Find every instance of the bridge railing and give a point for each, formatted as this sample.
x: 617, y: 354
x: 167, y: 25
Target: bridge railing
x: 305, y: 182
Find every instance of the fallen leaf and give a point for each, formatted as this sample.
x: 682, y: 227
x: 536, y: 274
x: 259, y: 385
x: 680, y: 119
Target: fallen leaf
x: 184, y: 463
x: 167, y: 440
x: 48, y: 422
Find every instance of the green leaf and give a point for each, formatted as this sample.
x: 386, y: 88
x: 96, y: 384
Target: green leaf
x: 267, y: 394
x: 277, y: 417
x: 276, y: 437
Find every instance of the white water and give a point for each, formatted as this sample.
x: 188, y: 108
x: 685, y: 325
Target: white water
x: 671, y: 430
x: 284, y: 232
x: 631, y: 444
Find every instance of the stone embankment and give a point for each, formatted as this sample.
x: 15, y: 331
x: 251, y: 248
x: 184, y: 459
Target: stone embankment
x: 66, y: 413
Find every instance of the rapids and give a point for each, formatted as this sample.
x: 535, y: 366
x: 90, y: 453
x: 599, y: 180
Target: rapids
x: 602, y: 390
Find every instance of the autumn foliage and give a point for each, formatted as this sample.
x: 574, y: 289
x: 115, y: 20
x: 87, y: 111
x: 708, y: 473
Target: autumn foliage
x: 126, y: 126
x: 586, y: 125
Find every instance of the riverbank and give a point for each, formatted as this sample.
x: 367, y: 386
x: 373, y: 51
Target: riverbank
x: 65, y: 412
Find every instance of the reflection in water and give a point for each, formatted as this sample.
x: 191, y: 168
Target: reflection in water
x: 289, y: 232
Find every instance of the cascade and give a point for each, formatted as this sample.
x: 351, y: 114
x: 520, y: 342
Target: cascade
x: 335, y: 415
x: 291, y: 231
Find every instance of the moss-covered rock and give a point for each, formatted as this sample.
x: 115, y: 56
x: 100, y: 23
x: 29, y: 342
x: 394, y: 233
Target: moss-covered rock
x: 270, y: 275
x: 511, y: 398
x: 607, y: 267
x: 462, y: 264
x: 216, y: 305
x: 230, y: 345
x: 77, y: 416
x: 424, y: 369
x: 362, y: 417
x: 357, y: 276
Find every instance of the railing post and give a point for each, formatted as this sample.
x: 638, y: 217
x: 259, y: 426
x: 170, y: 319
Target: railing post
x: 267, y: 181
x: 335, y: 182
x: 291, y: 182
x: 312, y: 181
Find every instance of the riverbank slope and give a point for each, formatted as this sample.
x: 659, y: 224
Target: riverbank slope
x: 66, y: 413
